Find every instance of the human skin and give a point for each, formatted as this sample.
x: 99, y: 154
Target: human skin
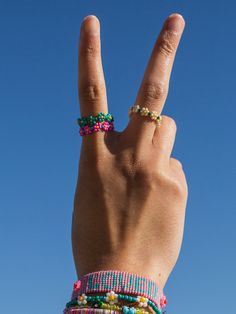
x: 131, y: 194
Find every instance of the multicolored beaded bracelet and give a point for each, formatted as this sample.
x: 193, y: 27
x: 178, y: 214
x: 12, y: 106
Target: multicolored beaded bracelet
x: 121, y: 309
x: 112, y: 298
x: 120, y: 282
x: 144, y: 111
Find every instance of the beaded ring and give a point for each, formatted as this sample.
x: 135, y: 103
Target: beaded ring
x: 144, y: 111
x: 112, y: 298
x: 100, y: 122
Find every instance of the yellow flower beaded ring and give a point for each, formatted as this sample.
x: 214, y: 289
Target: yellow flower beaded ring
x: 144, y: 111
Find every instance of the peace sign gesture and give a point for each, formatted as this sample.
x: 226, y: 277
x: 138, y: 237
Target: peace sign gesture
x: 131, y: 194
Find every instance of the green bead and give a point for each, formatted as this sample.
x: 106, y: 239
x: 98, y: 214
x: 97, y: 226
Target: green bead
x: 130, y: 298
x: 82, y: 121
x: 71, y: 303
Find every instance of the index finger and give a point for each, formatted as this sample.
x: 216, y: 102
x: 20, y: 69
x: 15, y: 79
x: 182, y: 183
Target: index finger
x: 91, y: 82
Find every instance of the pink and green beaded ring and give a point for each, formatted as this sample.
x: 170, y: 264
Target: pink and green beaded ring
x: 100, y: 122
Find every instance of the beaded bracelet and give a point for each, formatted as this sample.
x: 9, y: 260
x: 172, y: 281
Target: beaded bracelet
x: 112, y: 298
x: 114, y: 307
x: 124, y: 283
x: 89, y: 311
x: 144, y: 111
x: 120, y: 282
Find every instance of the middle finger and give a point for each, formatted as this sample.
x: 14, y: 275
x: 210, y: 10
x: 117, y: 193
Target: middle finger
x: 154, y: 87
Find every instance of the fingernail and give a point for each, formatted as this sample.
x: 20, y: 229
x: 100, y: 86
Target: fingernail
x: 91, y: 25
x: 175, y: 22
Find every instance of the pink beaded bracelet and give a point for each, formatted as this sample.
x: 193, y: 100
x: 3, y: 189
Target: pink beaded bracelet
x: 120, y: 282
x: 89, y: 311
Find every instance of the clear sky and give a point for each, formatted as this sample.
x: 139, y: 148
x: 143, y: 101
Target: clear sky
x: 40, y: 144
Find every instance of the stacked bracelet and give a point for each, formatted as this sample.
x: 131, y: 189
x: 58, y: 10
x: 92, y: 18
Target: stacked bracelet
x: 119, y: 286
x: 97, y: 302
x: 100, y: 122
x: 112, y: 298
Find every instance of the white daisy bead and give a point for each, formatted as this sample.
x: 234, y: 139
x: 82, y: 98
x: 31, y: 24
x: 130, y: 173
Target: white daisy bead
x: 82, y: 299
x: 136, y: 108
x: 153, y: 115
x: 142, y: 301
x: 111, y: 297
x: 144, y: 111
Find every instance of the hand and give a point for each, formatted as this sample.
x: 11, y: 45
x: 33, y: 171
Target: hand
x: 131, y: 195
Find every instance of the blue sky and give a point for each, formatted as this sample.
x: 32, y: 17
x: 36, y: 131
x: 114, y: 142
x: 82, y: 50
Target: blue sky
x: 40, y: 144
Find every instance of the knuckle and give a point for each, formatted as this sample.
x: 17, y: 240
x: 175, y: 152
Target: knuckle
x: 176, y: 163
x: 89, y: 47
x: 154, y: 91
x: 138, y: 173
x: 91, y: 92
x: 90, y: 50
x: 178, y: 189
x: 136, y: 168
x: 172, y: 185
x: 167, y: 43
x: 170, y: 122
